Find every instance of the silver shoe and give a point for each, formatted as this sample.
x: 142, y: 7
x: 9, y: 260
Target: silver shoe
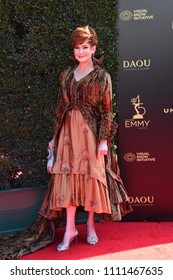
x: 62, y: 247
x: 92, y: 240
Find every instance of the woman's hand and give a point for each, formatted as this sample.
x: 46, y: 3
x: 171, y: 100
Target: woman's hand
x: 102, y: 148
x: 51, y: 144
x: 50, y: 169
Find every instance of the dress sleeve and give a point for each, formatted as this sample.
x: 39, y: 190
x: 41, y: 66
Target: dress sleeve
x: 60, y: 108
x: 59, y: 113
x: 107, y: 127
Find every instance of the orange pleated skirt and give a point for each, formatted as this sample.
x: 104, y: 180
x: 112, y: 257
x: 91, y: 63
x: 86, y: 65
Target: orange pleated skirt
x: 79, y: 175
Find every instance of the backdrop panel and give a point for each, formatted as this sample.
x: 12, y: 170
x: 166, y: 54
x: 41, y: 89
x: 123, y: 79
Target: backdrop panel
x: 145, y: 104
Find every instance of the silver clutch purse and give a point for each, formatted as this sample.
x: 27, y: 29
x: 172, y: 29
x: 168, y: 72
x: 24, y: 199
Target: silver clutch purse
x: 51, y: 157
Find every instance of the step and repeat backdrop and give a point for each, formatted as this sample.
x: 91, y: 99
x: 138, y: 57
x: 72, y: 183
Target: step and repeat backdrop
x: 145, y: 106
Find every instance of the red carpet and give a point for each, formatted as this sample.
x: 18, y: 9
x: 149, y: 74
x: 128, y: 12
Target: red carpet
x: 117, y: 241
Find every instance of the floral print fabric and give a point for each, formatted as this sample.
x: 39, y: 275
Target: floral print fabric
x: 80, y: 177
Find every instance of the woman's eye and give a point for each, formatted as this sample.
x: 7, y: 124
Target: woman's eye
x: 83, y: 48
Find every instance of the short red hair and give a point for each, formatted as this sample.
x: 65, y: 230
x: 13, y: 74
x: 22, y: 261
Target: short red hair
x: 80, y: 34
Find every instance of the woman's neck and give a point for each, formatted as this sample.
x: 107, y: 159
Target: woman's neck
x: 82, y: 67
x: 82, y: 70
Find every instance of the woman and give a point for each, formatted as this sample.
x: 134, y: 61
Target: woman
x: 83, y: 132
x: 85, y: 172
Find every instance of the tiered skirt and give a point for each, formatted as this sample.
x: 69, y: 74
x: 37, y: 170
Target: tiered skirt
x: 79, y: 174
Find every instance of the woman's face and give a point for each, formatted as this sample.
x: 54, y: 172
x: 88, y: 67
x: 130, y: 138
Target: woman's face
x: 83, y: 52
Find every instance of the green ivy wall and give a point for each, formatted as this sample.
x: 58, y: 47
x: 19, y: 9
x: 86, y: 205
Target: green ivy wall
x: 34, y: 49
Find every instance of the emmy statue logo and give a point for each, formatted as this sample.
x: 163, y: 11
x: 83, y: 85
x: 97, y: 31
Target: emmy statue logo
x: 139, y: 109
